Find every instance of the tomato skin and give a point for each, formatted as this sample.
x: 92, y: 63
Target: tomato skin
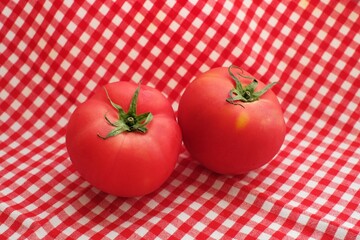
x: 131, y: 163
x: 228, y: 138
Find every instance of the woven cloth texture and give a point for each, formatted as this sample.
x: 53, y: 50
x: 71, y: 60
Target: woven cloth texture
x: 54, y: 54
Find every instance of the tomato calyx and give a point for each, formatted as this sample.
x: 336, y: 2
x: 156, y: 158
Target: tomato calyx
x: 128, y: 121
x: 245, y: 93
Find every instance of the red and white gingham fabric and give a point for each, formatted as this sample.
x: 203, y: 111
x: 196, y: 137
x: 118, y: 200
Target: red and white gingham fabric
x: 54, y: 54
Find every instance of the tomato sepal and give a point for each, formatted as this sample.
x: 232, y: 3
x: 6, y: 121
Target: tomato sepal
x: 247, y: 93
x: 127, y: 121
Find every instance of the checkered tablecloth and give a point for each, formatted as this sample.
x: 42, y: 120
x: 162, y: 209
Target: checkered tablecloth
x: 53, y: 55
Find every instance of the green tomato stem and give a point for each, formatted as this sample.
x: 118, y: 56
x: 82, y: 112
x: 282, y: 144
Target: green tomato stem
x: 246, y: 93
x: 127, y: 121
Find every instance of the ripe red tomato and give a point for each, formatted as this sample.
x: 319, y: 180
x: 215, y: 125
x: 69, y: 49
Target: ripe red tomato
x: 124, y: 140
x: 231, y: 123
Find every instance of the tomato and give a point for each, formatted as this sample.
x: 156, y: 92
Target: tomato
x: 124, y: 152
x: 231, y: 123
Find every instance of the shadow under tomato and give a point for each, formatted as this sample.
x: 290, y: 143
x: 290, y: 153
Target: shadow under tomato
x: 189, y: 183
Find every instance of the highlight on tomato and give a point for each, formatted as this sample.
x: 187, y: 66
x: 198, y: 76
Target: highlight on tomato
x: 231, y: 122
x: 124, y: 140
